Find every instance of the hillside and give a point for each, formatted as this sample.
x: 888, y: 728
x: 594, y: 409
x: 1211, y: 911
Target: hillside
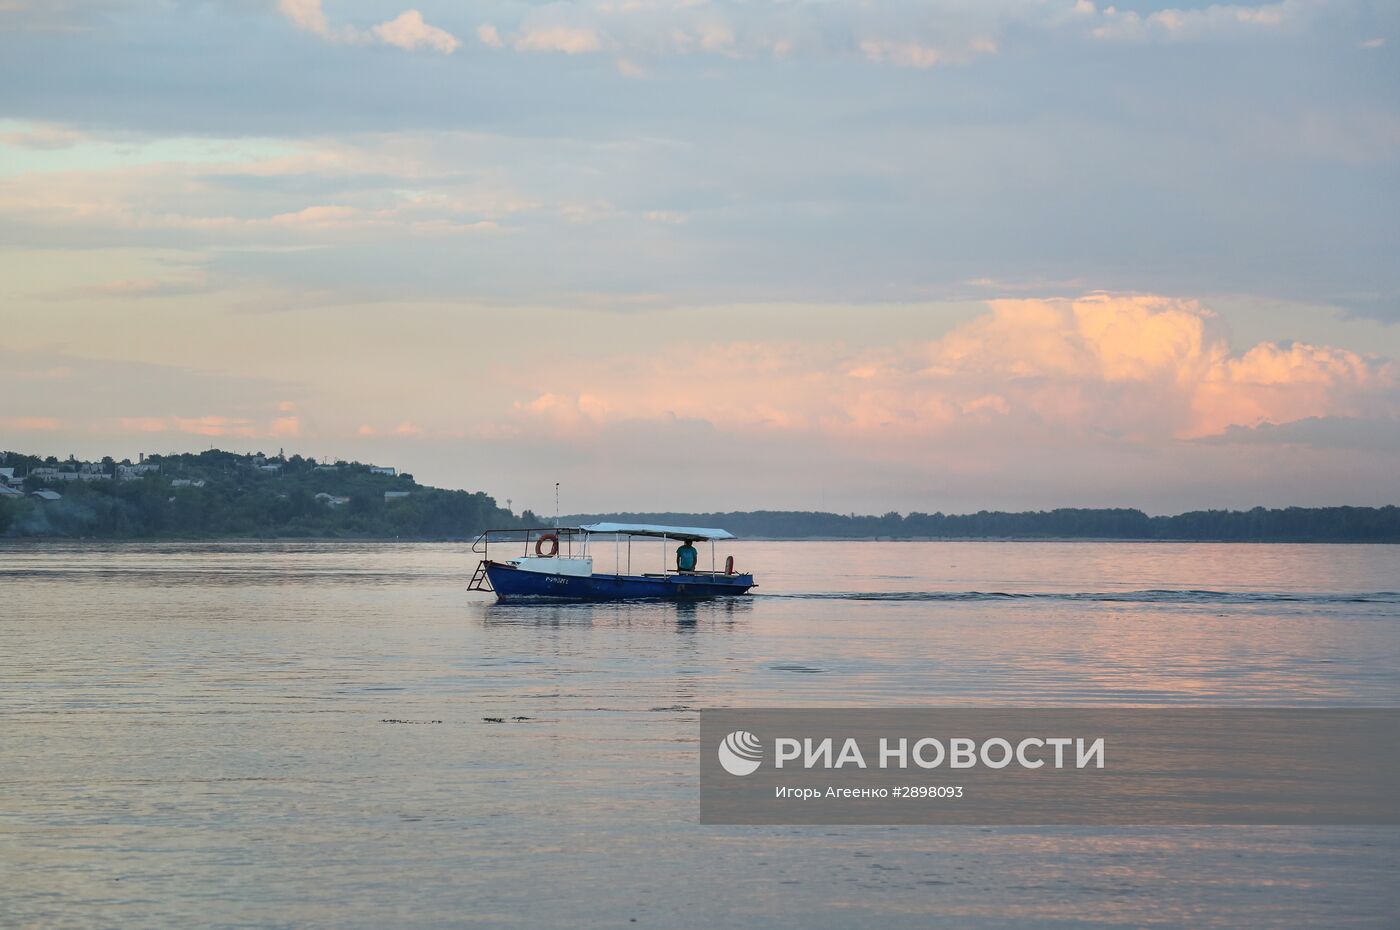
x: 217, y: 494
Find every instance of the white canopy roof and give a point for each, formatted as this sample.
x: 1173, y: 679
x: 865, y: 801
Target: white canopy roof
x: 653, y: 529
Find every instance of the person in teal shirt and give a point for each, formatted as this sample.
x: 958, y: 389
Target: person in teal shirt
x: 686, y: 557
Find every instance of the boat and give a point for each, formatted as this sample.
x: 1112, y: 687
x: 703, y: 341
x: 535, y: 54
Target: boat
x: 556, y: 563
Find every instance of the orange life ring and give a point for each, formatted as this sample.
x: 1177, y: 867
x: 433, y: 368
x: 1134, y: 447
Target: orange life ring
x: 729, y: 565
x: 553, y: 539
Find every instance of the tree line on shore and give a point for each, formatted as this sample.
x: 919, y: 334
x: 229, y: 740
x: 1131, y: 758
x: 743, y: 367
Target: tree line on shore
x: 217, y: 494
x: 1289, y: 524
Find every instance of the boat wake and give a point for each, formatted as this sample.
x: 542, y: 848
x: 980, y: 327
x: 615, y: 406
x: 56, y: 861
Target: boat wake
x: 1151, y: 596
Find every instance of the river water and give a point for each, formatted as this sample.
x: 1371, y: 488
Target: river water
x: 296, y: 735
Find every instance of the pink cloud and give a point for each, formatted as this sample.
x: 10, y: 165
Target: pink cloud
x: 305, y: 14
x: 213, y: 425
x: 567, y: 39
x: 143, y: 424
x: 1138, y: 367
x: 31, y: 424
x: 285, y: 426
x: 488, y: 35
x: 318, y: 217
x: 41, y: 136
x: 409, y: 32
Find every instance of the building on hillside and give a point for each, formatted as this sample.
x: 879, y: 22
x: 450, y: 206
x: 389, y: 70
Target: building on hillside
x: 47, y: 495
x: 187, y: 483
x: 7, y: 491
x: 270, y: 469
x: 128, y: 472
x: 382, y: 470
x: 395, y: 495
x: 331, y: 500
x: 49, y: 473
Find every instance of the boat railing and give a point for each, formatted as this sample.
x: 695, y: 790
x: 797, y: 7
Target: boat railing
x: 524, y: 535
x: 698, y: 573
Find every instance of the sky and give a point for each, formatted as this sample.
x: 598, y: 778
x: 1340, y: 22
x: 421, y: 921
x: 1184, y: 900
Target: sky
x: 704, y: 255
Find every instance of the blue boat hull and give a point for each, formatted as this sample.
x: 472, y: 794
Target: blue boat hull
x: 510, y: 583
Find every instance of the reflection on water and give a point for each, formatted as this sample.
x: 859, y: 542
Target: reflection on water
x: 340, y: 735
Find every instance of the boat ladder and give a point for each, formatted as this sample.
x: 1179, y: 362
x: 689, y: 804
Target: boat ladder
x: 479, y: 580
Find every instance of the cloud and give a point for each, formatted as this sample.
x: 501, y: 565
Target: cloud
x: 305, y: 14
x: 143, y: 424
x: 1201, y: 23
x: 31, y: 424
x: 209, y: 425
x: 212, y: 425
x: 262, y: 200
x: 915, y: 55
x: 90, y: 398
x: 1134, y: 368
x: 569, y: 40
x: 487, y: 35
x: 903, y: 36
x: 797, y: 185
x: 921, y: 36
x: 61, y: 16
x: 1376, y: 434
x: 285, y: 426
x: 1143, y: 364
x: 327, y: 216
x: 134, y: 288
x: 42, y: 136
x: 409, y: 32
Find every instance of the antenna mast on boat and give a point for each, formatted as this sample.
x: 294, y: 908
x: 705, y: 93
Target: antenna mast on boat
x: 556, y: 505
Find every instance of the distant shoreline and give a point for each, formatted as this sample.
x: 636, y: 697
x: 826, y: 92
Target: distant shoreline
x: 1077, y: 524
x: 19, y: 541
x: 215, y: 495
